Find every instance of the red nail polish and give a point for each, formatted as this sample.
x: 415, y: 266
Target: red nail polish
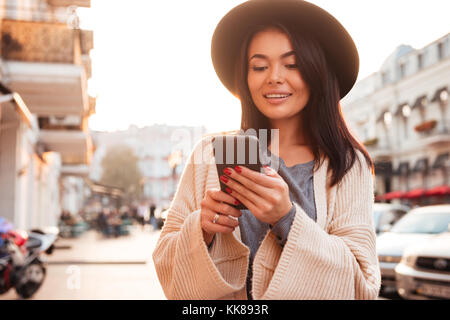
x: 238, y: 169
x: 224, y: 179
x: 227, y: 171
x: 228, y: 190
x: 236, y: 202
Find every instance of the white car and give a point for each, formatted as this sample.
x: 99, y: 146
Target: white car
x: 417, y: 226
x: 424, y: 272
x: 386, y: 214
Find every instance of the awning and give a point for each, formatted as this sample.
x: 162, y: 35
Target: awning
x: 402, y: 169
x: 420, y: 102
x: 421, y: 165
x: 383, y: 168
x: 437, y: 94
x: 393, y: 195
x: 438, y: 191
x: 20, y: 106
x: 440, y: 161
x: 416, y: 193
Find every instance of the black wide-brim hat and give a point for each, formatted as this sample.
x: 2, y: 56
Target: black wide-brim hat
x: 339, y: 48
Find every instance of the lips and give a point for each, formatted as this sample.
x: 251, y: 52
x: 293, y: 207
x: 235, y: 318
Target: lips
x: 277, y: 95
x: 276, y: 98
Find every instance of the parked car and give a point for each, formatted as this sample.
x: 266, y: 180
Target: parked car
x: 424, y: 271
x: 386, y: 214
x: 417, y: 226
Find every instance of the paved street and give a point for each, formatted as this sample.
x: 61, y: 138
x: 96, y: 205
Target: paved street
x: 92, y: 267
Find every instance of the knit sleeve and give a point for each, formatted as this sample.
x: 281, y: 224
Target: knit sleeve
x: 184, y: 266
x: 337, y: 263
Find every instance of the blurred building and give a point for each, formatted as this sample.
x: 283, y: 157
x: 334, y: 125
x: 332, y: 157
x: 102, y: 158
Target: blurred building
x: 45, y: 61
x: 401, y: 114
x: 154, y: 145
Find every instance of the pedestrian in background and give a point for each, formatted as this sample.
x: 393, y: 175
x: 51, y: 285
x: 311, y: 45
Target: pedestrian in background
x: 142, y: 213
x: 308, y: 232
x: 153, y: 221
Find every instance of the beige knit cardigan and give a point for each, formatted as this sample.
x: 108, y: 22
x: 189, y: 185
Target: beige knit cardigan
x: 332, y: 258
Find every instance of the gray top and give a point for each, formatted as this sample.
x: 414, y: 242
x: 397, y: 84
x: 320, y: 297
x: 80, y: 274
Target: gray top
x: 299, y: 178
x: 301, y: 191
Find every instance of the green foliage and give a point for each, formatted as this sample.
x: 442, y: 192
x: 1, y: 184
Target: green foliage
x: 120, y: 169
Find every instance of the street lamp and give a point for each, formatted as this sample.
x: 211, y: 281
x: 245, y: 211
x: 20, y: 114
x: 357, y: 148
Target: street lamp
x: 406, y: 110
x: 444, y: 96
x: 174, y: 160
x: 387, y: 117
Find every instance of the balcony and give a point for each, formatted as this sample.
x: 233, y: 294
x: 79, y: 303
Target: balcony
x: 429, y: 133
x: 32, y: 41
x: 66, y: 3
x: 48, y: 64
x: 378, y: 148
x: 75, y: 147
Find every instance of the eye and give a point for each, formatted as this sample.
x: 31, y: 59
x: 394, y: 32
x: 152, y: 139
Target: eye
x: 254, y: 68
x: 292, y: 66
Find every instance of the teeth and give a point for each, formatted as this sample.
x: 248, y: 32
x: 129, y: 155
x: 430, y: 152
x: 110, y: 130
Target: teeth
x: 277, y: 95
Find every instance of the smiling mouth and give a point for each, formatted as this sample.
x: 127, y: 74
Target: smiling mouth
x: 277, y: 95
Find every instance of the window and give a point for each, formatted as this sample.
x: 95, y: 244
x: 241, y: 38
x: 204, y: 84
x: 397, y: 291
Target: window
x: 420, y: 61
x: 384, y: 78
x: 402, y: 70
x: 440, y: 49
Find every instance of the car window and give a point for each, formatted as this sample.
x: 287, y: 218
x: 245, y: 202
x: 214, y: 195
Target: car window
x: 422, y: 223
x: 387, y: 217
x: 376, y: 217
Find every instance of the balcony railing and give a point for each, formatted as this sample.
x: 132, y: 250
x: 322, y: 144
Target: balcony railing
x: 66, y: 3
x: 44, y: 42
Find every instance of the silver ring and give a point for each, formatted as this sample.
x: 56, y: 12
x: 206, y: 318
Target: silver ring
x: 216, y: 217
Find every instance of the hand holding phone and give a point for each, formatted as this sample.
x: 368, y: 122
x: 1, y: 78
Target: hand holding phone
x: 236, y: 150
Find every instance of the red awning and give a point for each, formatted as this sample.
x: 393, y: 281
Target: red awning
x: 438, y: 191
x: 393, y: 195
x: 416, y: 193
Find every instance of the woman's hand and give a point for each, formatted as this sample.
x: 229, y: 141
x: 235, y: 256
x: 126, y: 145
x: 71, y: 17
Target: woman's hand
x: 216, y: 214
x: 265, y: 195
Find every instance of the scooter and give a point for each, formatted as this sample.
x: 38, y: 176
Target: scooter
x: 21, y: 265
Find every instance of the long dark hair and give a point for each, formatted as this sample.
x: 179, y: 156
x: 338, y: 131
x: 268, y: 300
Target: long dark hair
x: 323, y: 123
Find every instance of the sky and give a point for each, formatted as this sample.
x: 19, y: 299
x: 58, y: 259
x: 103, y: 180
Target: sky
x: 151, y: 60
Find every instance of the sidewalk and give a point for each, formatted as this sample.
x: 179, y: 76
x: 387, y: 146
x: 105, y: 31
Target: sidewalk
x: 93, y: 267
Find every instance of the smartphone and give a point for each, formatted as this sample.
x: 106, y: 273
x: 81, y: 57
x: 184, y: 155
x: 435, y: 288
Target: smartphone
x: 233, y: 150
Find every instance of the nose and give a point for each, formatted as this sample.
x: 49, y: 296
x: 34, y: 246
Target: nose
x: 275, y: 76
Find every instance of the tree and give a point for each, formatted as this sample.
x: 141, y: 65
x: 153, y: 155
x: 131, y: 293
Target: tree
x: 120, y: 169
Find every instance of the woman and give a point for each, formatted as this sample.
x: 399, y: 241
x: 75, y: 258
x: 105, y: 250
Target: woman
x: 308, y: 231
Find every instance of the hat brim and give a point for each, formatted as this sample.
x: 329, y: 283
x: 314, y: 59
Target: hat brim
x: 339, y: 48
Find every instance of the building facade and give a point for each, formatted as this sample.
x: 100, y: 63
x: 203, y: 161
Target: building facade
x: 400, y: 113
x: 162, y: 151
x: 45, y: 60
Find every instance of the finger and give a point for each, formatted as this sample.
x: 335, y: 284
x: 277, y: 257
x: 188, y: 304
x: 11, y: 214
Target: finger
x: 252, y: 183
x: 221, y: 196
x: 247, y: 193
x: 226, y: 209
x: 217, y: 228
x: 257, y: 177
x: 225, y: 220
x: 247, y: 202
x: 270, y: 171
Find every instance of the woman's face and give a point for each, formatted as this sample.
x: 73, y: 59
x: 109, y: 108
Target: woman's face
x: 274, y: 80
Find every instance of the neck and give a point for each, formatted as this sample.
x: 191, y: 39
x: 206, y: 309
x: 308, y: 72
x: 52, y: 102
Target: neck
x: 289, y: 132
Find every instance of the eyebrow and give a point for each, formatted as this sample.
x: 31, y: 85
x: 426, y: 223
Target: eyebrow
x: 284, y: 55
